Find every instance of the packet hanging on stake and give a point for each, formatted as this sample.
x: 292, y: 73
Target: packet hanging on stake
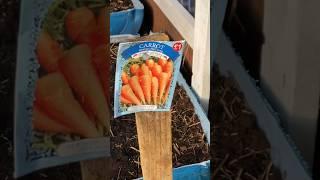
x: 61, y: 91
x: 146, y: 76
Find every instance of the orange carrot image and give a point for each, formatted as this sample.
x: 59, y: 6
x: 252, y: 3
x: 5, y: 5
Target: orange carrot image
x: 168, y: 68
x: 101, y: 63
x: 124, y: 100
x: 55, y: 97
x: 135, y: 85
x: 127, y: 93
x: 145, y: 82
x: 81, y: 75
x: 124, y: 78
x: 80, y: 23
x: 150, y: 63
x: 134, y: 69
x: 48, y: 52
x: 154, y: 89
x: 162, y: 62
x: 156, y: 70
x: 144, y: 70
x: 42, y: 122
x: 163, y: 81
x: 166, y: 94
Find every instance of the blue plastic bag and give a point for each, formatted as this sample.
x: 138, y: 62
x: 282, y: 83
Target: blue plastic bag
x: 127, y: 21
x: 199, y: 171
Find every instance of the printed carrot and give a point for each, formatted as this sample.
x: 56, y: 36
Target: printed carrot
x: 101, y: 63
x: 42, y: 122
x: 165, y: 97
x: 168, y: 68
x: 127, y: 93
x: 81, y: 75
x: 96, y: 36
x: 56, y: 99
x: 134, y: 69
x: 124, y: 78
x: 80, y: 23
x: 162, y: 62
x: 163, y: 81
x: 154, y: 89
x: 48, y: 52
x: 150, y: 63
x: 135, y: 86
x: 144, y: 70
x: 156, y: 70
x: 145, y: 82
x: 125, y: 100
x: 86, y: 108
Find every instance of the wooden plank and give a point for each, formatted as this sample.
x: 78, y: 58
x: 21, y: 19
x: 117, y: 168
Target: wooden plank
x: 180, y: 18
x: 155, y: 144
x: 155, y: 17
x: 201, y: 53
x: 99, y: 169
x: 290, y: 75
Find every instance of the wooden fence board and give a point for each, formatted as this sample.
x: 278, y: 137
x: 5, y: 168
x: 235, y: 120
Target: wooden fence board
x: 201, y: 53
x: 159, y: 21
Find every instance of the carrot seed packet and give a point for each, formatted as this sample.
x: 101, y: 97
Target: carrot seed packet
x: 146, y: 75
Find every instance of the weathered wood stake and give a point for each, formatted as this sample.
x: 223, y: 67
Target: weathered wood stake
x: 155, y: 144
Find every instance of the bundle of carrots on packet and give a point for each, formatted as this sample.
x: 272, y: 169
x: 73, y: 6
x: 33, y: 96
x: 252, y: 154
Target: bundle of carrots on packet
x: 72, y: 96
x: 147, y: 83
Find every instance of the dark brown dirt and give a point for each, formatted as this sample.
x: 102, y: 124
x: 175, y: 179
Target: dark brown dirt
x: 189, y: 144
x: 120, y: 5
x: 239, y: 148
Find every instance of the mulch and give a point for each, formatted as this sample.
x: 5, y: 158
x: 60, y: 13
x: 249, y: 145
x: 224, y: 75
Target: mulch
x: 120, y: 5
x: 239, y: 149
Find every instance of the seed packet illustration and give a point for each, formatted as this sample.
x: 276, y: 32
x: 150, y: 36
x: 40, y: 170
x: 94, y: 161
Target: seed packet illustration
x: 61, y: 91
x: 146, y: 76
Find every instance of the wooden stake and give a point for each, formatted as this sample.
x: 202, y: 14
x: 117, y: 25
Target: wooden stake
x: 155, y: 144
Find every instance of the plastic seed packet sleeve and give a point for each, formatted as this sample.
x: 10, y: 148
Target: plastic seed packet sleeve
x: 57, y: 118
x: 146, y: 76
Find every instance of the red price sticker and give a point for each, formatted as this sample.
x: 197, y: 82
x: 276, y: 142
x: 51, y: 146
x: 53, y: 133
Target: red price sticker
x: 177, y: 46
